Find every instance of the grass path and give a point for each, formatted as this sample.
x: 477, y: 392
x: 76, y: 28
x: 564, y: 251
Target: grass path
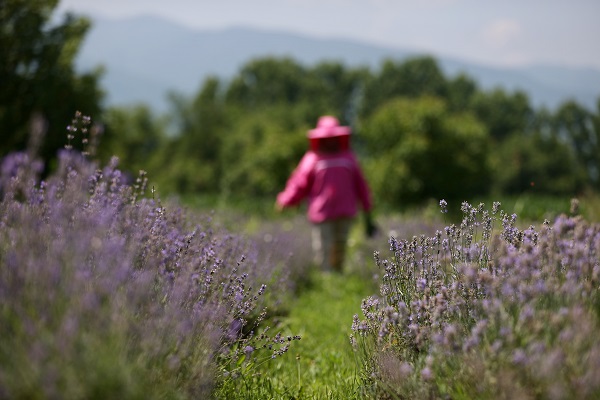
x: 321, y: 365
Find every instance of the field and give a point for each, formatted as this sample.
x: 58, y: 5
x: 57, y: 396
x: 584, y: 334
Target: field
x: 108, y: 291
x: 112, y: 289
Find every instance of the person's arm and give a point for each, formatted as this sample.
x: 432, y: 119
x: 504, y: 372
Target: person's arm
x: 298, y: 185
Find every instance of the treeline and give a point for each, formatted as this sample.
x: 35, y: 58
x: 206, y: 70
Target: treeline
x: 418, y: 133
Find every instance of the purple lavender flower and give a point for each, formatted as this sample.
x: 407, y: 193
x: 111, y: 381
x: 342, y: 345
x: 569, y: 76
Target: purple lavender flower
x: 94, y: 274
x: 519, y: 301
x: 444, y: 206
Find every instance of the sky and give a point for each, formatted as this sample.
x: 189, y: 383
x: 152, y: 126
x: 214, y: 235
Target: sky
x: 503, y: 33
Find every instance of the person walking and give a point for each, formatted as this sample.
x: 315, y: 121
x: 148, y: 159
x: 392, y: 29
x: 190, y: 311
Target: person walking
x: 329, y: 177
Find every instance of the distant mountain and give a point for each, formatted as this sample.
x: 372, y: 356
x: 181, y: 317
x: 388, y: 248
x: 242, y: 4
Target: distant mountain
x: 146, y: 57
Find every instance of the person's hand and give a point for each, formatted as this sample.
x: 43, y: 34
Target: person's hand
x: 371, y: 228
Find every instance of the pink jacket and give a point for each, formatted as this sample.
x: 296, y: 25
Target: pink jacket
x: 332, y: 183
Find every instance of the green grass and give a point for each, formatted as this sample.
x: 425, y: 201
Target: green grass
x: 322, y: 364
x: 531, y: 207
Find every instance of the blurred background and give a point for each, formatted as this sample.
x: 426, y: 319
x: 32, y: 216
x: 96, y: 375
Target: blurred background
x: 460, y: 100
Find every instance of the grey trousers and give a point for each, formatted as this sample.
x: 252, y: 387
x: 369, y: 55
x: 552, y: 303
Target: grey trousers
x: 329, y: 240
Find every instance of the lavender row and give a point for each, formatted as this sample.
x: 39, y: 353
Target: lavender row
x: 486, y: 310
x: 105, y: 292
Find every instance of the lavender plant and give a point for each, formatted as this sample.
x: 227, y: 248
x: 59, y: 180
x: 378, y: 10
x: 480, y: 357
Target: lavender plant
x: 105, y: 292
x: 361, y: 248
x: 486, y: 309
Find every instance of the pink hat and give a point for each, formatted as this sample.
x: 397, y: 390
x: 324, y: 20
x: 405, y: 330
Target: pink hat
x: 327, y: 127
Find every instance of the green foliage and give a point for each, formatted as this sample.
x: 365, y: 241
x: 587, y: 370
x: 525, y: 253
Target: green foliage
x: 267, y: 81
x: 533, y: 207
x: 37, y: 74
x: 331, y: 86
x: 418, y: 149
x: 192, y: 159
x: 412, y: 78
x: 502, y: 113
x: 135, y: 136
x: 243, y: 137
x: 271, y: 81
x: 461, y: 91
x: 581, y: 129
x: 261, y: 151
x: 529, y: 163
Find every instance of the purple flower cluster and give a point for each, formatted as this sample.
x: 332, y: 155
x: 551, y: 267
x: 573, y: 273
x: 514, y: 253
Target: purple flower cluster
x: 105, y: 292
x: 485, y: 313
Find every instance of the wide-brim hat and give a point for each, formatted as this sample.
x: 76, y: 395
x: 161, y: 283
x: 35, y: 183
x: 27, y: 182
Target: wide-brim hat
x: 328, y: 127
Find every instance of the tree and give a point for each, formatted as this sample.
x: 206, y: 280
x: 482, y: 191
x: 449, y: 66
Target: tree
x: 528, y: 163
x: 415, y: 77
x: 135, y: 136
x: 460, y: 92
x: 267, y: 81
x: 504, y: 114
x: 38, y: 76
x: 328, y: 86
x: 333, y: 89
x: 580, y: 128
x: 192, y: 158
x: 418, y: 149
x: 262, y: 149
